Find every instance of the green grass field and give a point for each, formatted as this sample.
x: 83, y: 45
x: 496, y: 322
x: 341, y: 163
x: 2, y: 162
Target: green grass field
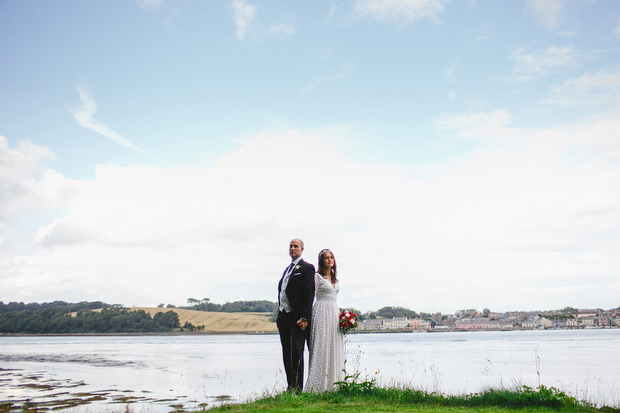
x: 355, y: 398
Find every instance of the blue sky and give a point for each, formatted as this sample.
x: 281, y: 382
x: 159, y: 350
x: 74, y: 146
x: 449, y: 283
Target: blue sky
x: 453, y: 154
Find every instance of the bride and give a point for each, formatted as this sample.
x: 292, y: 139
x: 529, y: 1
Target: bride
x: 326, y: 342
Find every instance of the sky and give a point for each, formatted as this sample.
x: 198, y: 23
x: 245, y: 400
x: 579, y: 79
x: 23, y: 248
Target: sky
x: 452, y: 154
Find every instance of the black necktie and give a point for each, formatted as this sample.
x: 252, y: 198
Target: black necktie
x: 288, y: 269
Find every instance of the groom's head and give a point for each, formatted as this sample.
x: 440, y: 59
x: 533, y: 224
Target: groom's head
x: 295, y: 248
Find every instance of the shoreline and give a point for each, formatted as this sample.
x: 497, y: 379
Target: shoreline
x: 173, y: 333
x: 244, y: 332
x: 111, y: 371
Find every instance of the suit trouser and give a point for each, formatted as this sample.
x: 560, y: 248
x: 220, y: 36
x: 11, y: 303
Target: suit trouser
x: 292, y: 340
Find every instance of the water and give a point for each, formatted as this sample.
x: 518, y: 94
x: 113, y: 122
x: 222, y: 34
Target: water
x: 154, y: 373
x: 584, y: 363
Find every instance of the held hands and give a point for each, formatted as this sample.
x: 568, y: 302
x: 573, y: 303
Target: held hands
x: 302, y: 324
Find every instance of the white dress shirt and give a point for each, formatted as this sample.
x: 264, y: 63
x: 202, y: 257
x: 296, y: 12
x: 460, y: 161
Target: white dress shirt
x: 285, y: 304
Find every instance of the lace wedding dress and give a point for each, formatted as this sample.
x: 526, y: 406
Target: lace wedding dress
x: 326, y: 341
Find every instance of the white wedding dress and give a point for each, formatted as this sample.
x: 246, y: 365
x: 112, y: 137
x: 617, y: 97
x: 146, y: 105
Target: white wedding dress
x: 326, y: 340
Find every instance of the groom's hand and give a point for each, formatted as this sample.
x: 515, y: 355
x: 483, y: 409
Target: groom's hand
x: 302, y: 324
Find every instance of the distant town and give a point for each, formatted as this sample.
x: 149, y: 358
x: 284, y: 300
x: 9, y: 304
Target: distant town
x: 204, y: 316
x: 466, y: 320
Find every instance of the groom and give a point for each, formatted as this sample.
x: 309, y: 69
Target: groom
x: 295, y: 296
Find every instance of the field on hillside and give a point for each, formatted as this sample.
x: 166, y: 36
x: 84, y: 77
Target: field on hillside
x: 220, y: 322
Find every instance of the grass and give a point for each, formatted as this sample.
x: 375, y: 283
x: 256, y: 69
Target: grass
x: 376, y: 399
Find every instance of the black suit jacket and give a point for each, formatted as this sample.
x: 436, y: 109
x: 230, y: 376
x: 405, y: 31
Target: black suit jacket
x: 300, y: 290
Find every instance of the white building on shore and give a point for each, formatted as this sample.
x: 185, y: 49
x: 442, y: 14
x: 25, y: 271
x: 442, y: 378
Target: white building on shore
x: 396, y: 323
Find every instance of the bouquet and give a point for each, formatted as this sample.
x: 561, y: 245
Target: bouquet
x: 347, y: 321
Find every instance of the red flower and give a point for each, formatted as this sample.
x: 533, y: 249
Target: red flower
x: 348, y: 321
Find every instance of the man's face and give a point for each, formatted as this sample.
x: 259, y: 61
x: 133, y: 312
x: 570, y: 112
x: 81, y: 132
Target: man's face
x: 295, y: 249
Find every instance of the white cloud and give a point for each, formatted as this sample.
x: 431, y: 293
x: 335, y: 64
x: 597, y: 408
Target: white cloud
x: 19, y: 168
x: 548, y: 13
x: 244, y: 17
x: 478, y: 126
x: 532, y: 65
x: 500, y: 226
x: 150, y: 4
x: 600, y: 88
x: 280, y: 29
x: 84, y: 116
x: 400, y: 10
x: 332, y: 12
x: 246, y: 24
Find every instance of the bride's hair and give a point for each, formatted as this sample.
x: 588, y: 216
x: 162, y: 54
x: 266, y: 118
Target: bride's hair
x: 322, y: 266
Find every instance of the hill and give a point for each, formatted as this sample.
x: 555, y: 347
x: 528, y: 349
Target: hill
x: 217, y: 322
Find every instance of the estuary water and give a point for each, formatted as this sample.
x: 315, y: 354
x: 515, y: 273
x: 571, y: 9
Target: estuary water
x: 161, y: 373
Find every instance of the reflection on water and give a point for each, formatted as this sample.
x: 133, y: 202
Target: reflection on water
x: 153, y: 373
x: 164, y: 373
x: 39, y: 392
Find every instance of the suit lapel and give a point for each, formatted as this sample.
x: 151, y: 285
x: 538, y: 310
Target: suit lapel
x: 292, y: 273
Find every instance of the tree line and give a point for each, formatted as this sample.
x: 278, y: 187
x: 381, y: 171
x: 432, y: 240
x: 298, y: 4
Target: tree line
x: 205, y: 304
x: 263, y: 306
x: 60, y: 317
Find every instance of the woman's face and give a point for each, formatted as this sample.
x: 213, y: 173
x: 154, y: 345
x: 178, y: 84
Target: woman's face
x: 328, y: 260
